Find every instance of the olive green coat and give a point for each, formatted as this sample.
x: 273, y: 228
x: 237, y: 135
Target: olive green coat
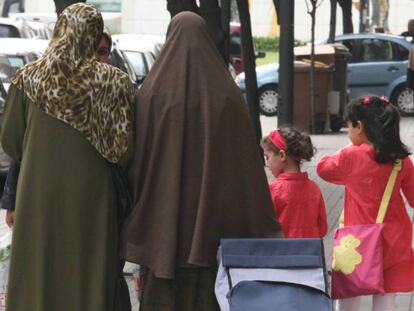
x: 64, y: 250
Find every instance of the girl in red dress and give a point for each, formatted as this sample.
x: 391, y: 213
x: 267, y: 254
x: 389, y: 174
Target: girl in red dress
x: 297, y: 201
x: 364, y: 168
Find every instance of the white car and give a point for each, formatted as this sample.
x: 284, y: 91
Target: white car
x: 19, y: 28
x: 139, y: 51
x: 16, y: 52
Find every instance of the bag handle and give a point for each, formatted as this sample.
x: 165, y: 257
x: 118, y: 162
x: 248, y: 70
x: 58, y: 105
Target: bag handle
x: 385, y: 197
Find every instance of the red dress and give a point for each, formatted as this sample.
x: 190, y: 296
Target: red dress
x: 299, y: 206
x: 365, y: 181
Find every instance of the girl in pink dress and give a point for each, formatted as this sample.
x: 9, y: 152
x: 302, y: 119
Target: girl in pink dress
x: 297, y: 201
x: 364, y: 168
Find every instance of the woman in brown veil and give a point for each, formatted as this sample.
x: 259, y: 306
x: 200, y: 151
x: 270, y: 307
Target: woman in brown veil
x: 197, y: 175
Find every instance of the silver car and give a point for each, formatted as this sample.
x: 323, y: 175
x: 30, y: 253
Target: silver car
x: 14, y: 53
x: 139, y: 51
x: 20, y: 28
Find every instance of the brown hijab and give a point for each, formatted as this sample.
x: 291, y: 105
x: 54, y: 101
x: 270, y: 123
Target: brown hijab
x: 198, y: 176
x: 68, y: 83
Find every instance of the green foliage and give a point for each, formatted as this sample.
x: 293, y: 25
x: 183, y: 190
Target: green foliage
x: 270, y: 44
x: 266, y: 44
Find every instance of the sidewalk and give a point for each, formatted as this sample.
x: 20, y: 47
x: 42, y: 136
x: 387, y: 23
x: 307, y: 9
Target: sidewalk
x: 333, y: 195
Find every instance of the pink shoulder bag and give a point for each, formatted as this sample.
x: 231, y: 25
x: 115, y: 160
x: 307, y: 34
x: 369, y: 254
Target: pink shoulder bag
x: 357, y: 265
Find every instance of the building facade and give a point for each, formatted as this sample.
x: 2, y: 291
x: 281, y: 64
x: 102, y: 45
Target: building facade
x: 152, y: 17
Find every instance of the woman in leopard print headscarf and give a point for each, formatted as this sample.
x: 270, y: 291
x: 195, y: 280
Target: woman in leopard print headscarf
x: 68, y: 119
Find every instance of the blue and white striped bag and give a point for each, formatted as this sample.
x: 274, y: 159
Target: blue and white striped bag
x: 272, y: 275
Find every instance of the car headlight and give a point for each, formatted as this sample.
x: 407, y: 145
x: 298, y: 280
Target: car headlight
x: 240, y: 78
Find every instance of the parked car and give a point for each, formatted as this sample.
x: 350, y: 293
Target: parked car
x: 42, y: 25
x: 2, y: 96
x: 235, y: 48
x: 139, y: 51
x: 11, y: 6
x: 112, y: 20
x: 19, y: 28
x: 236, y: 51
x: 378, y: 65
x: 16, y: 52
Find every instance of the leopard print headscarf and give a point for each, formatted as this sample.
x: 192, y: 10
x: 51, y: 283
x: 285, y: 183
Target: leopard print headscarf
x: 69, y: 84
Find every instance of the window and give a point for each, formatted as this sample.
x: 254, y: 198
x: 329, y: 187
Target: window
x: 136, y: 59
x: 8, y: 31
x: 11, y: 6
x: 14, y: 7
x: 107, y: 5
x: 353, y: 48
x: 235, y: 44
x: 8, y: 66
x: 374, y: 50
x: 401, y: 52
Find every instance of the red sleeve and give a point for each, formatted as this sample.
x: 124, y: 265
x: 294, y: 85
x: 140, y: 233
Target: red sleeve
x: 273, y: 193
x: 322, y: 221
x: 407, y: 184
x: 334, y: 168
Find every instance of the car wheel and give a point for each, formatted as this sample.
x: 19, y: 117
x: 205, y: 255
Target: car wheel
x: 403, y: 98
x: 268, y: 100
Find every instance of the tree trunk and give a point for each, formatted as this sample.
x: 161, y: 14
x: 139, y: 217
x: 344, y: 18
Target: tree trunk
x: 312, y: 67
x: 385, y: 9
x: 60, y: 5
x: 211, y: 13
x: 332, y: 25
x: 225, y: 25
x: 346, y: 6
x: 364, y: 16
x: 249, y: 65
x: 376, y: 20
x: 177, y: 6
x: 286, y: 12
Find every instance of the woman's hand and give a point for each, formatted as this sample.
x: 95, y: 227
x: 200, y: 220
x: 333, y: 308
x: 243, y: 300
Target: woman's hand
x: 10, y: 218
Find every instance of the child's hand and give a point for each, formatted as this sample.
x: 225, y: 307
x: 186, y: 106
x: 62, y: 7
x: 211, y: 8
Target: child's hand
x: 10, y: 218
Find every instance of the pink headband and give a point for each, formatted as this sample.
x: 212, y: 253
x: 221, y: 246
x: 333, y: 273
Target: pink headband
x: 367, y: 100
x: 277, y: 140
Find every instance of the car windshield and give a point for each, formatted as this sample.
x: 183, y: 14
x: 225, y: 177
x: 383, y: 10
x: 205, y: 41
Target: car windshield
x: 8, y: 31
x: 8, y: 66
x: 136, y: 59
x: 107, y: 5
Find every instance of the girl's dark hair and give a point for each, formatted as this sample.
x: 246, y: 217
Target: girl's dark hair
x: 381, y: 121
x: 299, y: 145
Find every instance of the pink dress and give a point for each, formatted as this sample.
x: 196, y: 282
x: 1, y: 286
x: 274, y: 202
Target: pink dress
x: 299, y: 206
x: 365, y: 181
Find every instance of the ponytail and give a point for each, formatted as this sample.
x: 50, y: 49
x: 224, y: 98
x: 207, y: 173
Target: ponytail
x: 381, y: 121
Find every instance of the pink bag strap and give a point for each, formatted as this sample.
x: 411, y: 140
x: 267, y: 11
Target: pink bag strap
x: 385, y: 197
